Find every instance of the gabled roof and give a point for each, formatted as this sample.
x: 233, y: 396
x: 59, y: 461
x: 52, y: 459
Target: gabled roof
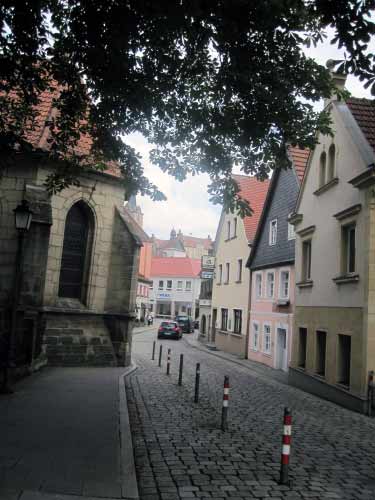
x: 192, y: 241
x: 254, y: 191
x: 134, y: 228
x: 39, y: 132
x: 174, y: 244
x: 175, y: 267
x: 299, y: 158
x: 363, y: 111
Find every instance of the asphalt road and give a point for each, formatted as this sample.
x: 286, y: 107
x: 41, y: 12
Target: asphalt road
x: 181, y: 452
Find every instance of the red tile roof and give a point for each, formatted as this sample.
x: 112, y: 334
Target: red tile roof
x: 192, y: 241
x: 38, y: 132
x: 363, y: 111
x: 255, y: 193
x: 175, y: 267
x: 299, y: 158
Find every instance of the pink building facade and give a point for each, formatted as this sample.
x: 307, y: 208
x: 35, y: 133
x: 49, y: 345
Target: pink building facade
x: 271, y: 263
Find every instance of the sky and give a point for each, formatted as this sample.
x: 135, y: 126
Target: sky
x: 187, y: 206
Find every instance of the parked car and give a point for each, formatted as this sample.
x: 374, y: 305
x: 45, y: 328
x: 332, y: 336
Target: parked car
x: 186, y: 323
x: 170, y: 330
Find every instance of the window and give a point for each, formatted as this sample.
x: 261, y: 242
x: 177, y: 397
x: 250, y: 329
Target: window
x: 270, y: 284
x: 302, y: 347
x: 348, y: 249
x: 227, y: 270
x: 343, y: 359
x: 188, y: 286
x: 306, y: 260
x: 224, y: 319
x: 331, y: 163
x: 258, y: 285
x: 255, y: 336
x: 161, y: 285
x: 228, y: 230
x: 179, y: 285
x: 220, y: 274
x: 321, y: 340
x: 239, y: 270
x: 267, y: 339
x: 169, y: 285
x: 291, y: 232
x: 273, y: 232
x: 235, y: 227
x: 237, y: 321
x: 152, y: 285
x: 284, y: 284
x: 322, y: 169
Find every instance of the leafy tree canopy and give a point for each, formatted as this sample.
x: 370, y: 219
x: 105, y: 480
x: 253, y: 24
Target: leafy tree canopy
x: 212, y: 83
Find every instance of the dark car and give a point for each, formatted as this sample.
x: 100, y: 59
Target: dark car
x: 170, y: 330
x: 186, y: 323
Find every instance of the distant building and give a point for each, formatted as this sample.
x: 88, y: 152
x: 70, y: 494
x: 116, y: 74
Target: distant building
x: 271, y: 264
x: 142, y: 305
x: 180, y: 245
x: 176, y: 286
x: 231, y: 287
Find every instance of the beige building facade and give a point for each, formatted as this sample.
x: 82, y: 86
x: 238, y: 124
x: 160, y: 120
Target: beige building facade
x: 231, y: 285
x: 334, y: 329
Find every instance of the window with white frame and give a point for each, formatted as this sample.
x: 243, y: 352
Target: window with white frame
x: 284, y: 284
x: 188, y: 286
x: 348, y: 249
x: 237, y: 313
x: 267, y: 339
x: 291, y: 232
x: 239, y: 270
x: 273, y: 232
x: 220, y: 274
x: 227, y: 271
x: 179, y: 285
x: 161, y: 285
x: 169, y: 284
x: 235, y: 227
x: 224, y: 319
x: 258, y: 285
x: 255, y: 336
x: 270, y: 284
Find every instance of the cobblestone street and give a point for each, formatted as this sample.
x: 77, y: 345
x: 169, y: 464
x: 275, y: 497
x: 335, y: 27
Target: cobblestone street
x: 180, y: 451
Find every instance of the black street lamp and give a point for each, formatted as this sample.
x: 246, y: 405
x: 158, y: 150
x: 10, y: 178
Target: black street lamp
x: 22, y: 220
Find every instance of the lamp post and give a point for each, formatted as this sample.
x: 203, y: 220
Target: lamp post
x: 22, y: 219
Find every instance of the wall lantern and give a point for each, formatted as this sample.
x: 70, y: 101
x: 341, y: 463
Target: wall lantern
x: 23, y: 215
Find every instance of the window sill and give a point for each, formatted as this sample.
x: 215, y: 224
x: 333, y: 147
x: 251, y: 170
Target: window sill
x: 346, y: 278
x: 305, y: 284
x: 267, y: 354
x: 226, y: 283
x: 282, y: 302
x: 223, y: 332
x: 233, y: 334
x: 253, y: 350
x: 238, y: 281
x: 326, y: 186
x: 344, y: 387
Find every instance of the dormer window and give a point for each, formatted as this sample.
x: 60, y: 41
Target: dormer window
x: 322, y: 169
x: 331, y: 163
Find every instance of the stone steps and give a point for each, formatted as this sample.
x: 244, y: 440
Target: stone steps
x: 77, y: 340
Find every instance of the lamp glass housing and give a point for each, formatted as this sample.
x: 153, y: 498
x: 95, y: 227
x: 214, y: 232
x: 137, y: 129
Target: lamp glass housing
x: 23, y: 216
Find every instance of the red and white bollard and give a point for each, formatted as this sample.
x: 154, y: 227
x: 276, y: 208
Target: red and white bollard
x: 224, y: 412
x: 285, y: 451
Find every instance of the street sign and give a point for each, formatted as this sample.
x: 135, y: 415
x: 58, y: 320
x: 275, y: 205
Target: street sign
x: 207, y: 274
x: 208, y: 262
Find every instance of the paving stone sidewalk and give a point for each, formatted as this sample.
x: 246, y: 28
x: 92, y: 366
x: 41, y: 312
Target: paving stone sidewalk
x: 181, y: 453
x: 59, y: 435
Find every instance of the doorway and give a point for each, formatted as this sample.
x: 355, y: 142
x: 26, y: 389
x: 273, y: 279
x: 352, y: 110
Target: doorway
x: 213, y: 326
x: 281, y: 350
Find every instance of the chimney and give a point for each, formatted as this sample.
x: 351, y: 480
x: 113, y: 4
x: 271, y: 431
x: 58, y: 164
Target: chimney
x: 339, y: 80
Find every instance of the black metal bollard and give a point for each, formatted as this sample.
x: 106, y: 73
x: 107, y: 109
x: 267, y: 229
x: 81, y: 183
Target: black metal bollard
x: 370, y: 392
x: 224, y: 411
x: 197, y: 377
x: 285, y: 450
x: 168, y: 361
x: 181, y: 367
x: 153, y: 350
x: 160, y: 353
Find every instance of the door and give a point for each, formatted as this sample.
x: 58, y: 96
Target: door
x: 74, y: 252
x: 282, y: 351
